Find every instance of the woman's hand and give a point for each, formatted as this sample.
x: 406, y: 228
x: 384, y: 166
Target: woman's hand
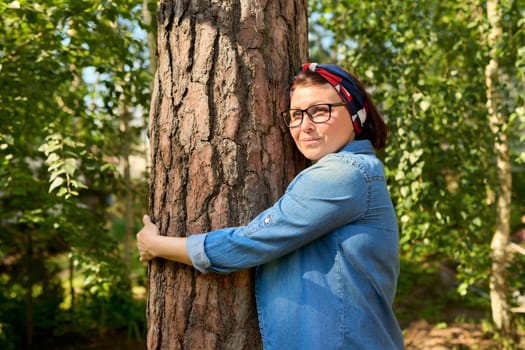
x: 152, y: 245
x: 146, y: 239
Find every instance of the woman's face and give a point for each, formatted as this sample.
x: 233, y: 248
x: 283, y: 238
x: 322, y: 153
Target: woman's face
x: 315, y: 141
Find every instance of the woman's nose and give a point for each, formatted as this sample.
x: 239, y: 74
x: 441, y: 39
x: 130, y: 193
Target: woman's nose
x: 307, y: 124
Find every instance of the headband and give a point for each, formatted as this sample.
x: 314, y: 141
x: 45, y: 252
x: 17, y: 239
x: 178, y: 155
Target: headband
x: 347, y: 88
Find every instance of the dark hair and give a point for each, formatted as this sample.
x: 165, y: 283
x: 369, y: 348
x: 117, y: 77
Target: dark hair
x: 374, y: 128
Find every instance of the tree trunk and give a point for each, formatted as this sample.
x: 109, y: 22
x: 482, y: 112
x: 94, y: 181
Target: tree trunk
x: 220, y: 153
x: 499, y: 290
x: 30, y: 302
x: 125, y: 118
x: 147, y: 18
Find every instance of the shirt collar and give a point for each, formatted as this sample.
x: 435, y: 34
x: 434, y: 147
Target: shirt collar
x: 359, y: 146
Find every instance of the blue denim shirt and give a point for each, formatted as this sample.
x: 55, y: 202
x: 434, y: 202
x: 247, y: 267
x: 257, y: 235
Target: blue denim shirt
x: 326, y: 254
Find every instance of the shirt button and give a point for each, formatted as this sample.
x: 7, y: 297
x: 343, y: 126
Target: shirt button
x: 267, y: 220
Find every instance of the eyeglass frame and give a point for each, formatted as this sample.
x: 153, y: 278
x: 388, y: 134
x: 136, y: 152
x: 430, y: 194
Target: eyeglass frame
x: 286, y: 113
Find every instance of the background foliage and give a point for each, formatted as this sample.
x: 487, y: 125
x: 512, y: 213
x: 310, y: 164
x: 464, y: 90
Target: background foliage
x: 70, y: 70
x: 425, y: 65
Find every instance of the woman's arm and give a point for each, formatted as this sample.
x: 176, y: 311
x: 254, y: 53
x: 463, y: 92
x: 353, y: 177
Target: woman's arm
x: 152, y: 245
x: 329, y: 194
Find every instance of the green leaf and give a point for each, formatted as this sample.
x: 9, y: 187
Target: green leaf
x: 56, y: 183
x: 14, y: 5
x: 69, y: 166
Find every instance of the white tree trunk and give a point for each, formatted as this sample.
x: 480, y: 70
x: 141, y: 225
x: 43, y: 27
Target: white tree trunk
x: 499, y: 290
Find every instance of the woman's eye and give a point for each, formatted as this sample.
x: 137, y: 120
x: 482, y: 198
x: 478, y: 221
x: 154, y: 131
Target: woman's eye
x: 318, y: 110
x: 296, y: 115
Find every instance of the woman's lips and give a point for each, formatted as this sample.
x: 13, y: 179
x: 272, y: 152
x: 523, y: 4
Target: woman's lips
x: 310, y: 140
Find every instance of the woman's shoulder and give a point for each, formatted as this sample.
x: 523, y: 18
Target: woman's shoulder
x: 359, y: 155
x: 355, y: 162
x: 331, y: 174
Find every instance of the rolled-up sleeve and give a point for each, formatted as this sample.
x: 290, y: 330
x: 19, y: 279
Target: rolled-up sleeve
x: 197, y: 252
x: 328, y: 195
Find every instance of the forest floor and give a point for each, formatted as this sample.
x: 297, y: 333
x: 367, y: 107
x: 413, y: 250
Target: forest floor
x: 434, y: 316
x: 421, y: 335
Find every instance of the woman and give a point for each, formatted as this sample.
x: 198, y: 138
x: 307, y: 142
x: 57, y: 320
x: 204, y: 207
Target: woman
x: 327, y: 251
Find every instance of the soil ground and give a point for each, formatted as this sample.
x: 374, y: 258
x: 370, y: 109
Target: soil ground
x: 420, y: 335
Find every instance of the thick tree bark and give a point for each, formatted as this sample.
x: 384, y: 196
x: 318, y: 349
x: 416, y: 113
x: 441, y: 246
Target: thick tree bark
x: 499, y: 290
x: 219, y: 153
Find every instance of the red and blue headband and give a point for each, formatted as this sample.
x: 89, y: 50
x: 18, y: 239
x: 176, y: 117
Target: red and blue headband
x: 347, y: 88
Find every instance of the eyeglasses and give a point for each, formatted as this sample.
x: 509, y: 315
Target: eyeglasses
x: 319, y: 113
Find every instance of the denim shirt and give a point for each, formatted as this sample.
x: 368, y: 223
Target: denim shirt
x: 326, y: 254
